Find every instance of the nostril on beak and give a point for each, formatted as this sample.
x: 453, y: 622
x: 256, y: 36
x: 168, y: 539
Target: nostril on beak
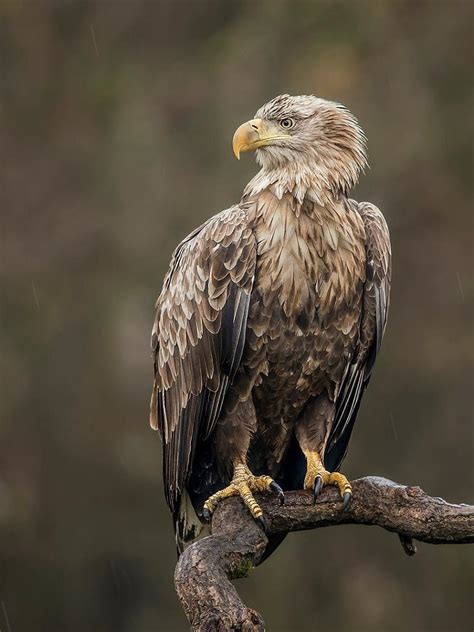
x: 254, y: 126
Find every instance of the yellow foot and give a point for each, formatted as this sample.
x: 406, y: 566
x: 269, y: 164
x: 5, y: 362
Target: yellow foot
x: 317, y: 476
x: 243, y: 484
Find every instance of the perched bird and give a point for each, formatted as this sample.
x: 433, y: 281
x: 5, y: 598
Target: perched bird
x: 270, y: 319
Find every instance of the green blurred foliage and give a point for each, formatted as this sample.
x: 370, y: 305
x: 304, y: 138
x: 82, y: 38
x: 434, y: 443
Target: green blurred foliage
x: 115, y: 128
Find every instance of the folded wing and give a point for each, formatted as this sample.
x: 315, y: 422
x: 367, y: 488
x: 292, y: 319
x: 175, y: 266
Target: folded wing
x: 198, y: 337
x: 374, y: 317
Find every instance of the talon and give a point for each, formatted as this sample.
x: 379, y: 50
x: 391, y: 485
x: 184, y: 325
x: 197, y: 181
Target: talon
x: 318, y: 485
x: 244, y: 484
x: 274, y: 487
x: 346, y: 499
x: 262, y: 522
x: 317, y: 477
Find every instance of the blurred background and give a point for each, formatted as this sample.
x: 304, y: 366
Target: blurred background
x: 115, y: 126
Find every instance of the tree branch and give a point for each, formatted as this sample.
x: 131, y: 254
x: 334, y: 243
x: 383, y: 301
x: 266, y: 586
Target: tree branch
x: 237, y: 543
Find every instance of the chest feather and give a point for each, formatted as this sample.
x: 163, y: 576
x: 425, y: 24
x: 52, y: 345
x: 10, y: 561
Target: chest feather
x: 312, y: 258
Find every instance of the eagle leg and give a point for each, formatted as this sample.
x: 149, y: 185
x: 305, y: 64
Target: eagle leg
x: 243, y: 484
x: 317, y: 477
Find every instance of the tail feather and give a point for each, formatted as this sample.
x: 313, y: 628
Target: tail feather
x: 187, y: 525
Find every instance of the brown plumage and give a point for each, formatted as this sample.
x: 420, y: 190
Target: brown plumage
x: 270, y: 319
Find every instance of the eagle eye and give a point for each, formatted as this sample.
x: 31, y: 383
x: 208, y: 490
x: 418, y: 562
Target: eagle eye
x: 287, y: 123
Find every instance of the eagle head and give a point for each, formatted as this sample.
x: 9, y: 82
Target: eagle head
x: 314, y: 141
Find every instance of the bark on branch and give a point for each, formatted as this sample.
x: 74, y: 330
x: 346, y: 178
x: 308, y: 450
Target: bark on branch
x: 237, y: 543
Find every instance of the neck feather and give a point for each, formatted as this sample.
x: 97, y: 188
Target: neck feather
x: 322, y: 179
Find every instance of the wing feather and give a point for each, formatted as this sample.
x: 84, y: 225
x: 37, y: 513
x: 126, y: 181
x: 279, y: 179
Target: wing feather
x: 198, y: 337
x: 374, y: 318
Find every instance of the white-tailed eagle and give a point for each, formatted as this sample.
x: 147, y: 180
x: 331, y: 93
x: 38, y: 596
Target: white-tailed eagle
x: 270, y: 319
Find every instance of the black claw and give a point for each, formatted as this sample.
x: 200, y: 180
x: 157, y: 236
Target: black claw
x: 206, y: 515
x: 407, y: 543
x: 278, y: 490
x: 262, y: 522
x: 318, y: 485
x: 346, y: 499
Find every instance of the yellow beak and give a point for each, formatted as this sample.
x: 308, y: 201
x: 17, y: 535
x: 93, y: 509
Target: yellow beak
x: 255, y: 133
